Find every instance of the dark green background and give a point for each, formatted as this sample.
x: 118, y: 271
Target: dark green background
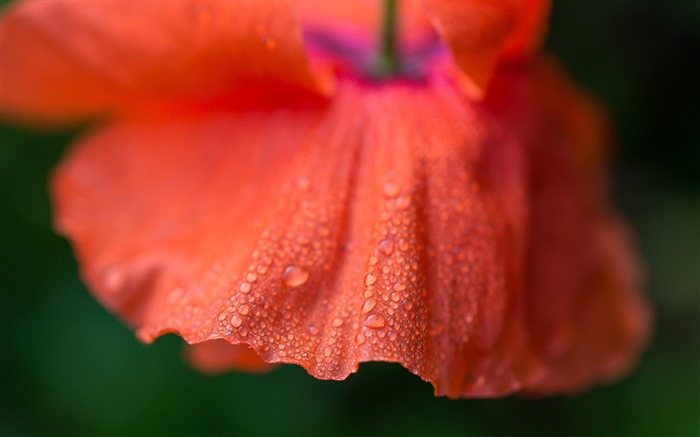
x: 70, y: 368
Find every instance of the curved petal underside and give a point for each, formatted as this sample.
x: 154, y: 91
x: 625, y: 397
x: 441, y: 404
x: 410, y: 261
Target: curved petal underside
x: 63, y: 61
x: 392, y: 225
x: 482, y: 33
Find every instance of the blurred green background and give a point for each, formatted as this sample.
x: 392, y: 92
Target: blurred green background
x: 70, y: 368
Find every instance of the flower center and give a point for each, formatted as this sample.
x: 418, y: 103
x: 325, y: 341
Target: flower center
x: 387, y: 59
x: 388, y: 62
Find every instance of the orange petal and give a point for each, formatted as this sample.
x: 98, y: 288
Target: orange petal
x: 67, y: 60
x: 301, y: 234
x: 585, y: 314
x: 217, y: 356
x: 397, y: 224
x: 480, y: 33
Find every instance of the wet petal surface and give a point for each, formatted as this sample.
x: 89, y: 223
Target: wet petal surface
x: 63, y: 61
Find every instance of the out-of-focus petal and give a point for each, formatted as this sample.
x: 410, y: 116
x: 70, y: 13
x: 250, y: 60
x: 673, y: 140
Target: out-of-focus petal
x: 362, y: 19
x: 217, y: 356
x: 300, y: 234
x: 586, y: 317
x: 67, y: 60
x: 481, y: 33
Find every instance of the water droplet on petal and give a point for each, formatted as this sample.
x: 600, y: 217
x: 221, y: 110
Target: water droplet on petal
x: 112, y: 278
x: 403, y: 245
x: 370, y: 279
x: 375, y: 321
x: 303, y: 184
x: 395, y: 296
x: 386, y: 246
x: 390, y: 190
x: 236, y: 321
x: 245, y: 287
x: 294, y: 276
x: 399, y: 286
x: 368, y: 306
x: 243, y: 309
x: 323, y: 231
x: 360, y: 339
x: 251, y: 277
x: 403, y: 202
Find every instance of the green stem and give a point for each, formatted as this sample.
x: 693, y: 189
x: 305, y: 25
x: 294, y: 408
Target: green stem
x: 388, y: 59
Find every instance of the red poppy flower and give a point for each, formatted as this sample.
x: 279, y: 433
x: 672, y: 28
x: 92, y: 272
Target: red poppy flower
x: 256, y: 187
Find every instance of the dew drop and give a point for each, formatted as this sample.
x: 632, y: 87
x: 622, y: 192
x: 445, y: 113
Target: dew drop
x: 370, y: 279
x: 245, y: 287
x: 236, y: 321
x: 375, y: 321
x: 323, y: 231
x: 403, y: 202
x: 390, y: 190
x: 399, y: 286
x: 222, y: 316
x: 251, y: 277
x: 314, y: 330
x: 303, y: 184
x: 337, y: 322
x: 373, y: 260
x: 112, y: 278
x: 395, y: 296
x: 243, y: 309
x: 403, y: 245
x: 360, y: 339
x: 327, y: 352
x: 386, y: 246
x: 392, y: 335
x: 294, y: 276
x: 368, y: 306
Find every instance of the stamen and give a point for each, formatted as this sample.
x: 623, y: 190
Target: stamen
x: 388, y: 63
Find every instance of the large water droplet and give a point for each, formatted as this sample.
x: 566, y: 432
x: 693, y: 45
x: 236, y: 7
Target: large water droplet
x: 369, y: 306
x: 390, y: 190
x: 370, y: 279
x: 294, y: 276
x: 112, y: 278
x: 403, y: 202
x: 243, y: 309
x: 303, y: 184
x: 375, y: 321
x: 245, y: 287
x: 236, y: 321
x: 386, y: 246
